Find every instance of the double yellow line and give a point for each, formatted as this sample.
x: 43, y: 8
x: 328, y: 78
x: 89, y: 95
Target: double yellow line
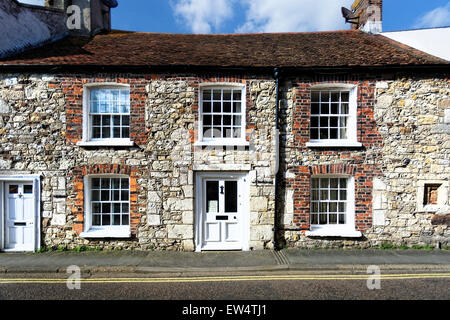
x: 225, y: 278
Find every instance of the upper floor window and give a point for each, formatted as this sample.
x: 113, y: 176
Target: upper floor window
x: 333, y: 116
x: 106, y: 116
x: 222, y: 115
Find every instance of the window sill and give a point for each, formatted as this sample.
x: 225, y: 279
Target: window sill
x: 106, y: 143
x: 107, y: 233
x: 335, y: 144
x: 220, y: 143
x: 329, y: 232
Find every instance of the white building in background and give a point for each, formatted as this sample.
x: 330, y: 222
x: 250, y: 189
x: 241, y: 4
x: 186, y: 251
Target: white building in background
x: 435, y: 41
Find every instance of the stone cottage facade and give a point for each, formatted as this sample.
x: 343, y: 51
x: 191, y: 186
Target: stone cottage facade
x: 223, y: 142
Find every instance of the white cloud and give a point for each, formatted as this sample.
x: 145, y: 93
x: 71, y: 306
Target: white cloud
x: 293, y: 15
x: 439, y: 17
x: 202, y: 16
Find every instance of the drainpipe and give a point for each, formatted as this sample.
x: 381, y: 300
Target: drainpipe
x: 277, y: 157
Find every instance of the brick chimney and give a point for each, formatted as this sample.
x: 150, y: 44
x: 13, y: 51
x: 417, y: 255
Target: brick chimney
x: 370, y: 15
x: 94, y: 15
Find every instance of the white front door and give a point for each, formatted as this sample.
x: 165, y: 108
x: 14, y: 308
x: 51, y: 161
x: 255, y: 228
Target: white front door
x: 20, y: 216
x: 223, y: 212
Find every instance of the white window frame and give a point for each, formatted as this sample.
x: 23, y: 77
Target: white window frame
x: 352, y: 132
x: 242, y: 141
x: 87, y: 127
x: 338, y: 230
x: 91, y: 231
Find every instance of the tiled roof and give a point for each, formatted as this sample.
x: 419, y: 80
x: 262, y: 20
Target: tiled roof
x: 312, y: 49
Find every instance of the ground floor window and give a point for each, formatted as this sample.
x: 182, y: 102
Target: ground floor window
x: 332, y: 207
x: 107, y: 201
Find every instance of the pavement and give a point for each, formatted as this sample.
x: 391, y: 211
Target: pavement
x: 233, y: 261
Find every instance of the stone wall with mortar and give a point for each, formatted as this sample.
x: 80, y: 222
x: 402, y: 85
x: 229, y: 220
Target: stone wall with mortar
x: 41, y: 124
x: 403, y: 125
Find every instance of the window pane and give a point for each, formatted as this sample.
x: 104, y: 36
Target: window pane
x: 124, y: 195
x: 227, y: 107
x: 334, y: 134
x: 106, y: 208
x: 333, y: 195
x: 322, y: 219
x: 97, y: 120
x: 125, y: 208
x: 28, y: 189
x: 95, y: 195
x: 13, y: 189
x: 343, y: 195
x: 342, y: 219
x: 237, y: 132
x: 207, y: 120
x: 227, y: 120
x: 125, y: 120
x: 116, y: 220
x: 231, y: 196
x: 207, y: 107
x: 333, y: 207
x: 96, y: 133
x: 217, y: 107
x: 116, y: 132
x: 315, y: 195
x: 345, y: 97
x: 105, y: 183
x: 323, y: 133
x: 212, y: 196
x: 334, y: 108
x: 237, y: 95
x: 324, y: 183
x: 325, y: 96
x: 105, y: 195
x: 315, y: 96
x: 106, y: 220
x: 237, y: 120
x: 227, y: 132
x: 217, y: 133
x: 315, y: 108
x: 206, y: 95
x: 315, y: 183
x: 217, y: 120
x: 335, y: 97
x: 207, y: 132
x: 116, y: 120
x: 323, y: 194
x: 324, y: 122
x: 96, y: 220
x: 314, y: 219
x: 333, y: 219
x: 344, y: 108
x: 116, y: 208
x: 217, y: 95
x: 106, y: 132
x: 125, y: 132
x: 314, y: 122
x: 314, y: 133
x: 236, y: 107
x: 124, y: 183
x: 324, y: 108
x: 227, y: 95
x: 96, y: 208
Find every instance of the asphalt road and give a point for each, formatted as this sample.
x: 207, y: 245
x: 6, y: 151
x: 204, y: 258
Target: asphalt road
x: 264, y: 286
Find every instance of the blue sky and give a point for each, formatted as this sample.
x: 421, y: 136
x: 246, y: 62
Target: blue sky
x: 231, y: 16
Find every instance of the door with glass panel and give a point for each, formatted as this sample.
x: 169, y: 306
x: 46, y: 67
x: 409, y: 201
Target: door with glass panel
x: 223, y: 213
x: 20, y: 216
